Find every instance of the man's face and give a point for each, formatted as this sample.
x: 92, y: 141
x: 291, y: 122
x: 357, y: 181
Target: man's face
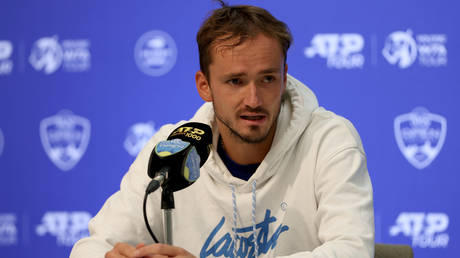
x: 246, y: 83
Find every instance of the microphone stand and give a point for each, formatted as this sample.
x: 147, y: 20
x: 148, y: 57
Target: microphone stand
x: 167, y: 205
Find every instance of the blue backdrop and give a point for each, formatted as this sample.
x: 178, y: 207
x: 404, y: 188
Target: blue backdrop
x: 84, y: 83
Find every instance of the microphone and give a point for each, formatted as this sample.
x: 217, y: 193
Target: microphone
x: 175, y: 163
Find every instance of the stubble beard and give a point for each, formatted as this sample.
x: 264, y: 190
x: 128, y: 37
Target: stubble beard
x: 247, y: 139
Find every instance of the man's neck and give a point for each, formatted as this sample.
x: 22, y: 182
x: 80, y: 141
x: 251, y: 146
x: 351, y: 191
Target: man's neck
x: 245, y: 153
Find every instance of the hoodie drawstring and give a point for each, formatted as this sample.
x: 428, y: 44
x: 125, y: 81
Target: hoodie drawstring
x: 256, y: 246
x: 235, y: 212
x: 234, y: 218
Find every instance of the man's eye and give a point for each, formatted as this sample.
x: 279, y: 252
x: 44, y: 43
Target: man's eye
x: 268, y: 79
x: 234, y: 81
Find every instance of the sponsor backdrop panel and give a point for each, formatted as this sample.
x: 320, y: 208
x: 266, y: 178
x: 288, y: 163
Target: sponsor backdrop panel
x: 84, y: 85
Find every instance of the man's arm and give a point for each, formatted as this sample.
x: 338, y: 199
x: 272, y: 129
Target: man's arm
x: 343, y: 190
x: 345, y: 212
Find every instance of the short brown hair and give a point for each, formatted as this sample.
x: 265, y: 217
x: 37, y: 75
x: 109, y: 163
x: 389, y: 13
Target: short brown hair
x: 241, y: 22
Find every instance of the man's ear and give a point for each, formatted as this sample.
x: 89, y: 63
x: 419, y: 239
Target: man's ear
x: 203, y: 87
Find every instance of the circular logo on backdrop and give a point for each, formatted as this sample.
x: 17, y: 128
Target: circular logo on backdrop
x: 155, y: 53
x: 138, y: 135
x: 1, y: 142
x: 46, y: 55
x: 400, y: 48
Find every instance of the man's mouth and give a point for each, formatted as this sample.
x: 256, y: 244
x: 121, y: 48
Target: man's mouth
x: 253, y: 118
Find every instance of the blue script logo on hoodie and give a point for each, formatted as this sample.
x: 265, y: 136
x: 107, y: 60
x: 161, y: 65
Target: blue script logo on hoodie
x: 224, y: 246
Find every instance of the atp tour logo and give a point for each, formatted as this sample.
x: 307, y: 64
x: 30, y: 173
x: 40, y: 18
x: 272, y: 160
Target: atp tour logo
x: 420, y: 136
x: 8, y: 229
x: 401, y: 49
x: 138, y: 135
x: 65, y: 137
x: 427, y: 230
x: 342, y: 51
x: 2, y: 142
x: 67, y: 227
x: 48, y: 55
x: 6, y: 50
x: 155, y: 53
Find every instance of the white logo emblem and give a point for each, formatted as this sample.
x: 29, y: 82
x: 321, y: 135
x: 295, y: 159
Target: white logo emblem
x: 342, y: 51
x: 138, y: 135
x: 8, y: 229
x: 6, y: 50
x: 67, y: 227
x: 65, y: 137
x: 46, y: 55
x: 427, y: 230
x: 284, y: 206
x: 420, y: 136
x: 2, y: 142
x: 400, y: 48
x: 155, y: 53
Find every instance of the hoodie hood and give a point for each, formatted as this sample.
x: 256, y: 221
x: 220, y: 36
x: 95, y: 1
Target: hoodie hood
x: 295, y: 115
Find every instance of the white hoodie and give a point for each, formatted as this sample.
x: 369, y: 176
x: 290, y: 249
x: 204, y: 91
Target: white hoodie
x: 312, y: 195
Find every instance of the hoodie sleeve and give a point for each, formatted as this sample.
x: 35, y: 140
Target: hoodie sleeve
x: 121, y: 217
x: 345, y: 214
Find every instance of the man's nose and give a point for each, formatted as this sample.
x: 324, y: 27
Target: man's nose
x: 252, y: 96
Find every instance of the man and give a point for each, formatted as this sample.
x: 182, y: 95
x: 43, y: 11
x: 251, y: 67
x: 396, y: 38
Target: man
x: 284, y: 178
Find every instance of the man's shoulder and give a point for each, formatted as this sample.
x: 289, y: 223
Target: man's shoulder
x: 324, y: 118
x: 331, y: 130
